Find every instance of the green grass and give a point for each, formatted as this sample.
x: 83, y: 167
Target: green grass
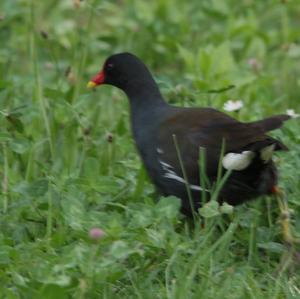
x: 61, y: 174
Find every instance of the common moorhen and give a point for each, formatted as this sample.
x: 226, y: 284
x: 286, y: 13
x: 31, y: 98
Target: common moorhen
x: 169, y: 138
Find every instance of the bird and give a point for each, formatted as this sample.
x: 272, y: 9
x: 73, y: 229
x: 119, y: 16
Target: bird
x: 169, y: 140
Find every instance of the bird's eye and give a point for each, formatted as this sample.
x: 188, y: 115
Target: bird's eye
x: 109, y: 66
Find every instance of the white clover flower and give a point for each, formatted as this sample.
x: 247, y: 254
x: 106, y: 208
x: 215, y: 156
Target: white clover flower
x: 292, y: 113
x: 231, y: 105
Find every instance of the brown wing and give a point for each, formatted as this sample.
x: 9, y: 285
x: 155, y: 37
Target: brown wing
x: 207, y: 128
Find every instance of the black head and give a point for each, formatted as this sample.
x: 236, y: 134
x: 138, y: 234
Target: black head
x: 122, y: 70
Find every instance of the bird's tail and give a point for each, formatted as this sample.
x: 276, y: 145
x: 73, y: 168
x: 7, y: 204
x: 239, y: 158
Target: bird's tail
x: 272, y: 123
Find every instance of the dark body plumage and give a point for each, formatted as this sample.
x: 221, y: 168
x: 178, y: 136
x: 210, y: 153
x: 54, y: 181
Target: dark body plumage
x: 154, y: 123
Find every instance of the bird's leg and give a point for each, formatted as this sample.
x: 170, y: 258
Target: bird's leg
x: 285, y: 216
x: 291, y: 254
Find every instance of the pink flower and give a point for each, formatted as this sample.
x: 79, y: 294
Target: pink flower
x: 96, y: 233
x: 254, y: 64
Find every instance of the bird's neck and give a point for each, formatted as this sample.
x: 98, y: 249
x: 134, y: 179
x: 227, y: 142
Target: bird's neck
x: 147, y: 109
x: 145, y: 98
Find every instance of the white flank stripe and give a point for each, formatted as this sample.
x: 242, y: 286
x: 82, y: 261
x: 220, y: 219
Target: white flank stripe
x: 165, y: 165
x: 175, y: 177
x: 170, y: 174
x: 159, y: 150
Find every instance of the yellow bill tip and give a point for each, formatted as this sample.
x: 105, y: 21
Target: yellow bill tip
x: 91, y: 84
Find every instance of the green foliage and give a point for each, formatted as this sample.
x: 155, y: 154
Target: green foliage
x: 68, y: 163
